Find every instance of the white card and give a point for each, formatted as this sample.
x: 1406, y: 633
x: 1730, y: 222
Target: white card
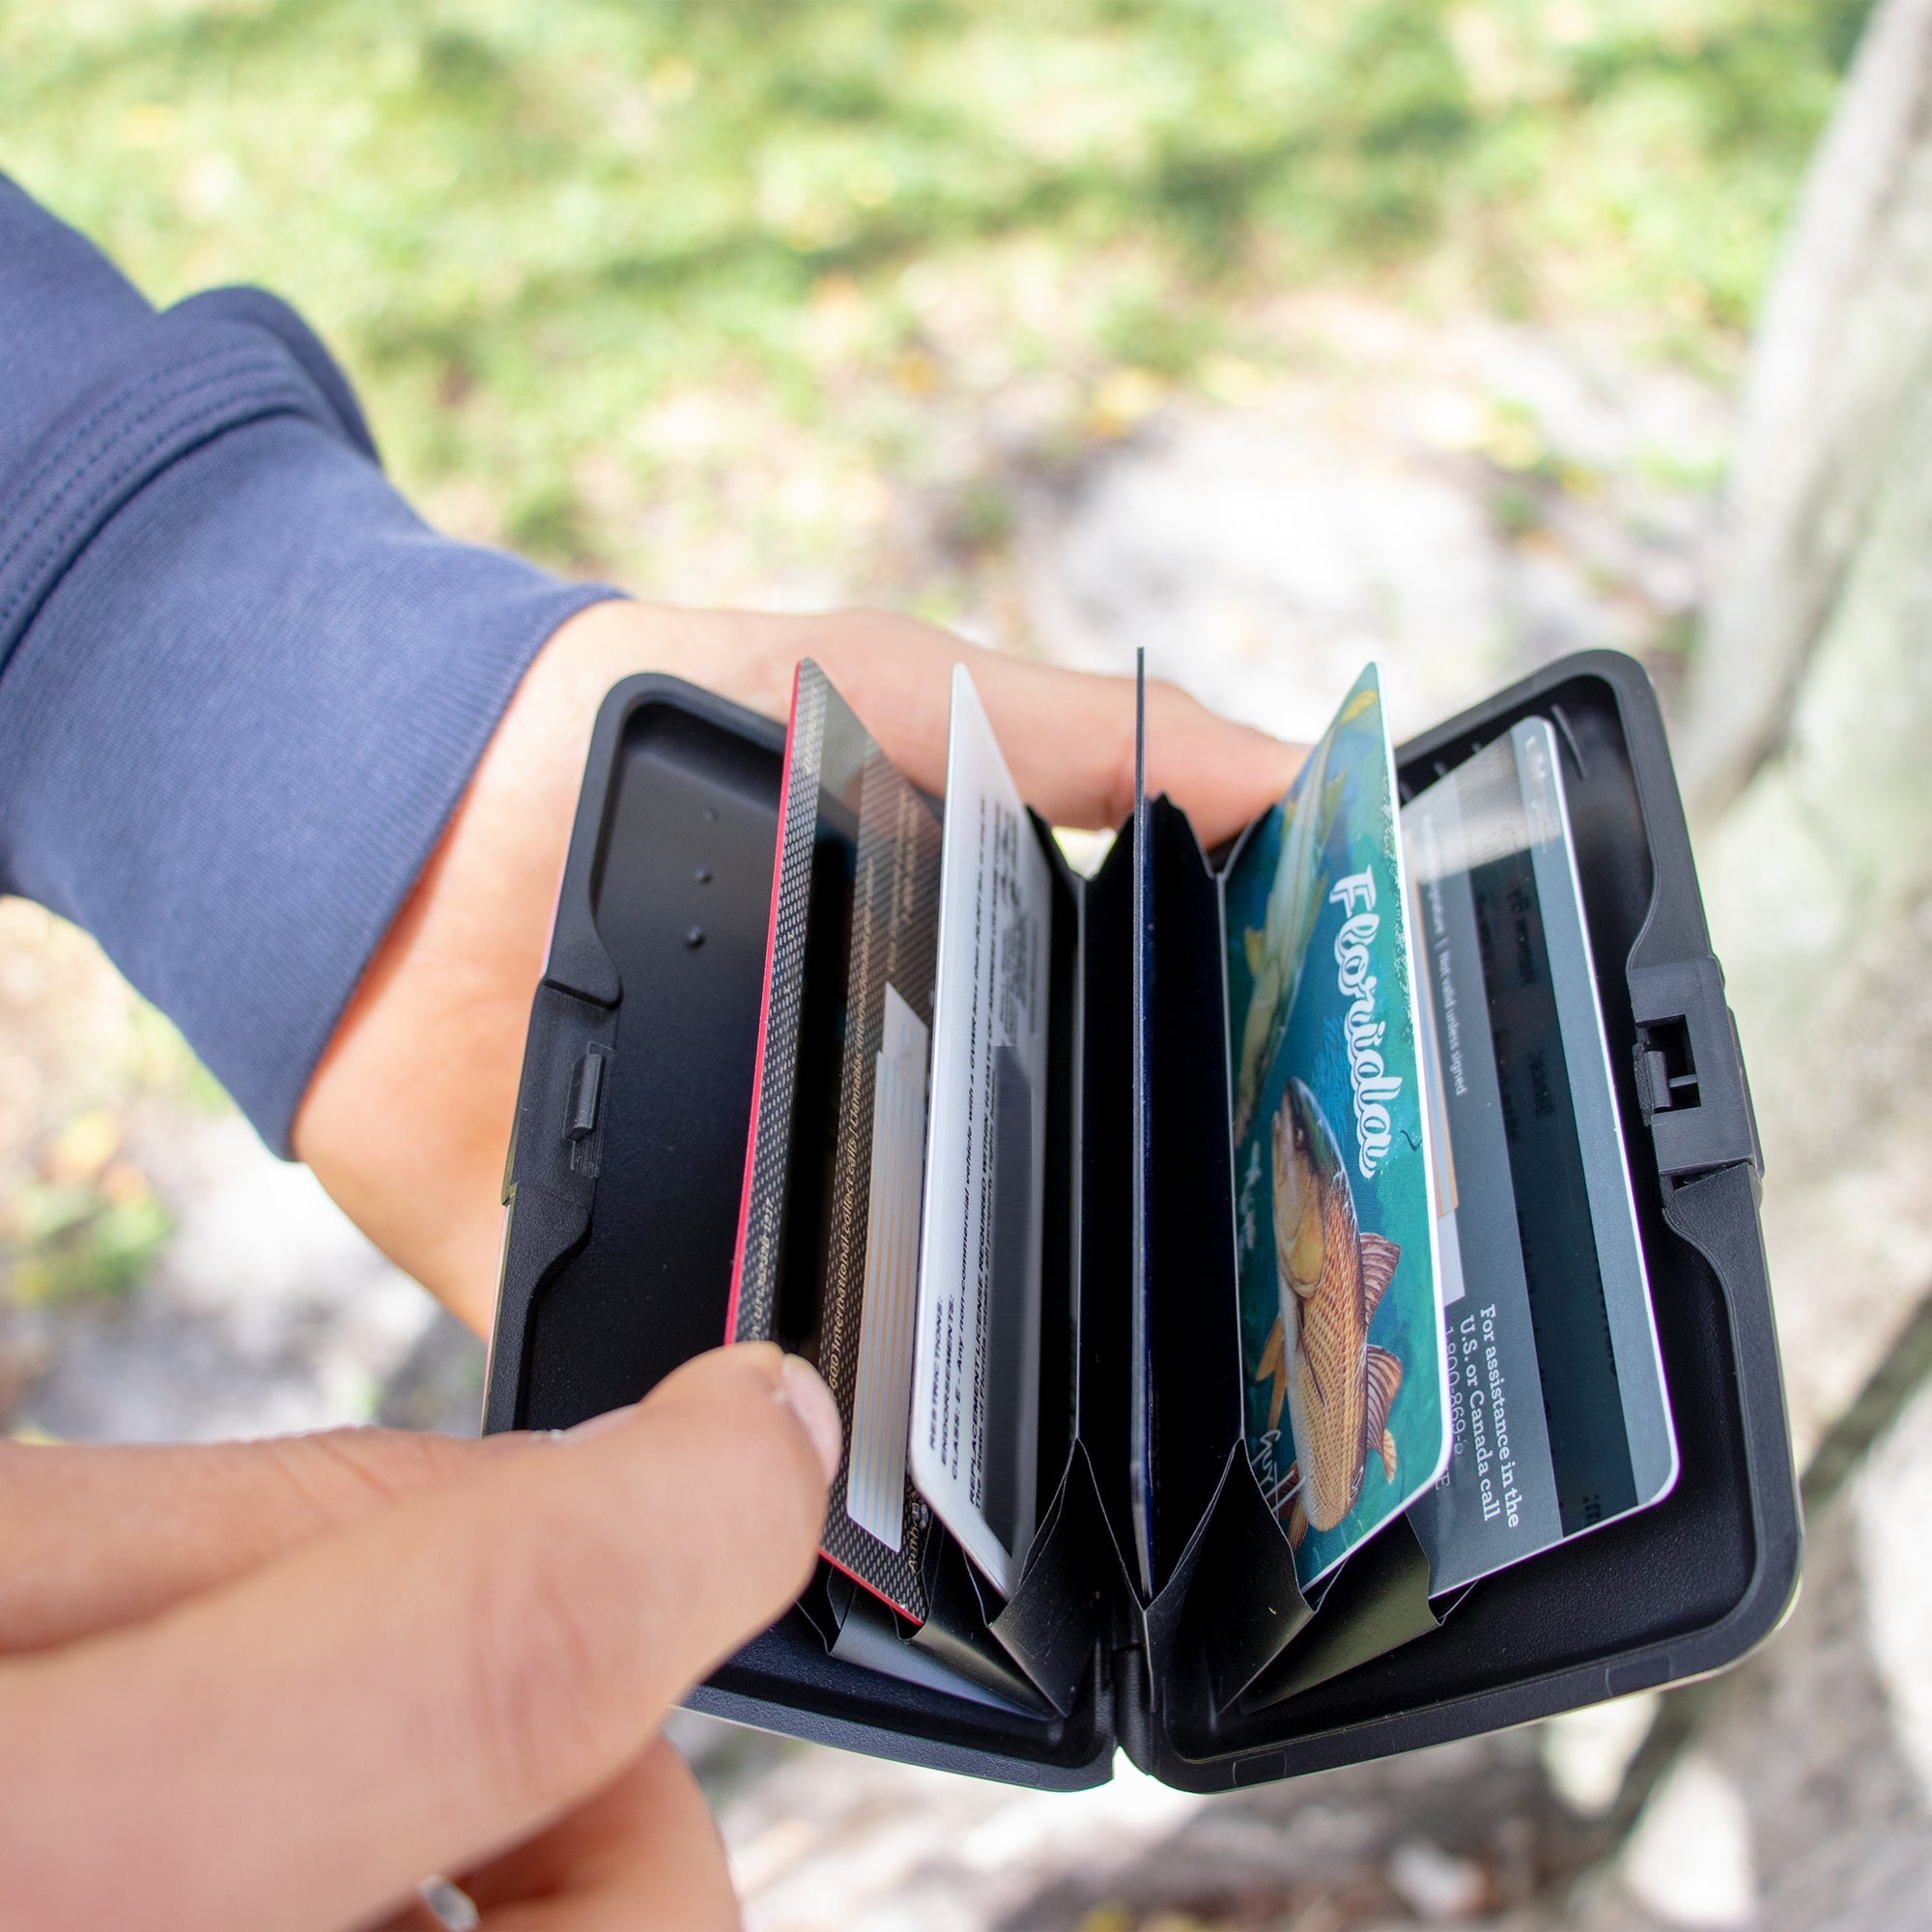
x: 875, y: 1486
x: 976, y: 1376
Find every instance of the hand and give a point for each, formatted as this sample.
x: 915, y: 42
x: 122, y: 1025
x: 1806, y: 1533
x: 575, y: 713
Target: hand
x: 273, y: 1685
x: 407, y: 1116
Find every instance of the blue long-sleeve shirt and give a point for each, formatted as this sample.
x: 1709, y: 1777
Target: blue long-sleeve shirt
x: 242, y: 685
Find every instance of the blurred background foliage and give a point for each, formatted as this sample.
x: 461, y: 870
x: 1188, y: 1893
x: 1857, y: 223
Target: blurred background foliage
x: 85, y: 1068
x: 89, y: 1223
x: 572, y: 252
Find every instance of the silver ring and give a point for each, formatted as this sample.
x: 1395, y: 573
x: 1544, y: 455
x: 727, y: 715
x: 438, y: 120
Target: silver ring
x: 455, y: 1910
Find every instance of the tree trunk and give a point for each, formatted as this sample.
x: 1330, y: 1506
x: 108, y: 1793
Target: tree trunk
x: 1843, y: 347
x: 1810, y: 731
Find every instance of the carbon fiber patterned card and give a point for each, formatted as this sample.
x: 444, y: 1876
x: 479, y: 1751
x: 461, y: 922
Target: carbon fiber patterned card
x: 828, y: 1244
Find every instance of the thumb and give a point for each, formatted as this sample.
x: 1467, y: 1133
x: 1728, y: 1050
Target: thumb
x: 296, y: 1749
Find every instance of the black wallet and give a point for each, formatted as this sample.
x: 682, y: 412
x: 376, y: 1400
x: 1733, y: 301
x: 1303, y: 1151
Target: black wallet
x: 623, y: 1192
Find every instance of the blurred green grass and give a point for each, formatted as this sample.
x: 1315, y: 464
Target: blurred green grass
x: 528, y: 229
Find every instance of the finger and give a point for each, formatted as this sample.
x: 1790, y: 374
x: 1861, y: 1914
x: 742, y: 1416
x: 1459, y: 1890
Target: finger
x: 97, y: 1536
x: 643, y: 1853
x: 1072, y: 737
x: 1068, y: 736
x: 426, y: 1687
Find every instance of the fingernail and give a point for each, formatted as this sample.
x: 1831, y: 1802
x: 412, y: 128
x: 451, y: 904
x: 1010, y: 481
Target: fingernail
x: 801, y: 1385
x: 596, y: 1425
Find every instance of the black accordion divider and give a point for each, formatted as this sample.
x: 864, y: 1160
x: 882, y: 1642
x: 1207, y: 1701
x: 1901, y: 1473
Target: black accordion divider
x: 1053, y: 1621
x: 1229, y: 1626
x: 1194, y: 1337
x: 1226, y: 1601
x: 1106, y: 1153
x: 1233, y: 1628
x: 1375, y: 1603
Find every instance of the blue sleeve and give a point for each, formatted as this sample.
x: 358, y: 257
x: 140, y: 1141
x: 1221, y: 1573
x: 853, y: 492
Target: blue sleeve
x: 241, y: 685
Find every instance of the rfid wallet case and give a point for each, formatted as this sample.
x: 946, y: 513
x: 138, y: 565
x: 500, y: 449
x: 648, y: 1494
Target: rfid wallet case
x: 1208, y: 1665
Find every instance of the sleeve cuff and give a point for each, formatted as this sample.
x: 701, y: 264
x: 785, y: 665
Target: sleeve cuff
x: 238, y: 721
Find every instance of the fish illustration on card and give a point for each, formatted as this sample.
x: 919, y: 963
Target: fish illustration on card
x: 1338, y: 1385
x: 1346, y: 1409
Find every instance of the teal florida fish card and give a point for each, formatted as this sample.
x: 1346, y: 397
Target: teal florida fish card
x: 1347, y: 1409
x: 1558, y: 1412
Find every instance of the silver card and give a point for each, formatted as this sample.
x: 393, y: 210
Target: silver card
x: 1559, y: 1416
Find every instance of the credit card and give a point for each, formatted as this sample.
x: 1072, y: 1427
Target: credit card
x: 1559, y: 1416
x: 828, y: 1243
x: 976, y: 1393
x: 1347, y: 1402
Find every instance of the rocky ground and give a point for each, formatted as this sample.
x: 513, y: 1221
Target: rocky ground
x: 1459, y: 500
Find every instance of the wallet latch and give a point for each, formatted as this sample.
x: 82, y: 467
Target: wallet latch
x: 1690, y: 1071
